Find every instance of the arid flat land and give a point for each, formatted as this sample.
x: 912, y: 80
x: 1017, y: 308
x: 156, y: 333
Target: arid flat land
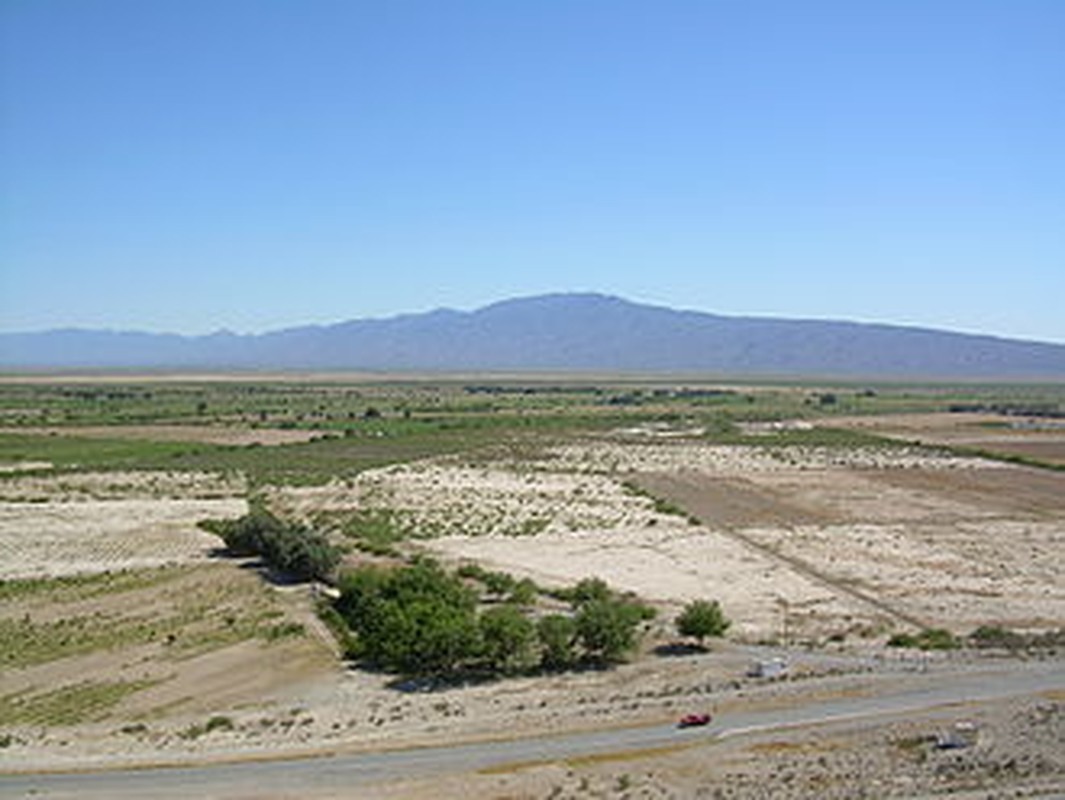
x: 87, y: 523
x: 841, y: 542
x: 1033, y: 437
x: 129, y: 638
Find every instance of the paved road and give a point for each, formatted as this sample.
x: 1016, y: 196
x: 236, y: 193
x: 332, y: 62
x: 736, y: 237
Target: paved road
x: 305, y: 776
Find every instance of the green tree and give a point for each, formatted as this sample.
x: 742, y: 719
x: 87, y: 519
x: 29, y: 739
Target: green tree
x: 702, y: 618
x: 497, y: 583
x: 606, y: 629
x: 591, y: 590
x: 507, y: 638
x: 524, y: 593
x: 440, y: 637
x: 416, y: 620
x: 557, y: 634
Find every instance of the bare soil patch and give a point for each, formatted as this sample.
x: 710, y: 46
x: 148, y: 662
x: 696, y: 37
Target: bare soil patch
x: 671, y: 567
x: 733, y: 502
x: 1052, y: 452
x: 77, y: 486
x: 1022, y: 436
x: 954, y: 548
x: 65, y: 538
x: 839, y: 541
x: 97, y: 521
x: 1006, y: 491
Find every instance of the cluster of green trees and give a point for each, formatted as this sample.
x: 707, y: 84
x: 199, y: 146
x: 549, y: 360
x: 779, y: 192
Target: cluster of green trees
x: 423, y: 620
x: 290, y: 548
x: 420, y: 619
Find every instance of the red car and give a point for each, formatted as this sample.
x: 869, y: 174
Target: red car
x: 694, y: 720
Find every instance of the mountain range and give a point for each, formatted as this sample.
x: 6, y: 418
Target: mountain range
x: 559, y: 332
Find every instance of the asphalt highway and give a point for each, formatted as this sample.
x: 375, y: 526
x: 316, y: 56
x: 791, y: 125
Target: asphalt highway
x: 305, y: 776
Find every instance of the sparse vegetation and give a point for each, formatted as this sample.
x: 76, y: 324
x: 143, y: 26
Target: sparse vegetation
x: 1000, y: 637
x: 67, y: 705
x: 202, y: 614
x: 217, y: 723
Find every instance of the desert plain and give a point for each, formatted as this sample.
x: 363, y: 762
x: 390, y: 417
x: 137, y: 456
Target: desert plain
x: 828, y: 531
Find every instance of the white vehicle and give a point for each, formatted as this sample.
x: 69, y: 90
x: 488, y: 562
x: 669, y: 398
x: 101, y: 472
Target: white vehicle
x: 769, y: 668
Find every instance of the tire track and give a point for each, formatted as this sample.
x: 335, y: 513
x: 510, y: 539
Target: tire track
x: 679, y: 491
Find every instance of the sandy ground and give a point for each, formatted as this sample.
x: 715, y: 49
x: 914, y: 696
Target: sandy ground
x: 93, y: 522
x: 140, y: 485
x: 93, y: 536
x: 291, y: 705
x: 1038, y: 438
x: 25, y: 466
x: 669, y: 566
x: 818, y: 541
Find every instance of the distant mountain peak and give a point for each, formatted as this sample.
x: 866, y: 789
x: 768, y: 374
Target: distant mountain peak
x: 562, y: 331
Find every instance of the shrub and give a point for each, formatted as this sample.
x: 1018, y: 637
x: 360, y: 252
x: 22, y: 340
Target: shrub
x: 293, y: 549
x: 523, y: 593
x: 927, y: 639
x: 702, y: 618
x: 219, y: 723
x: 557, y: 634
x: 498, y: 583
x: 507, y: 638
x: 997, y: 636
x: 902, y: 640
x: 590, y: 590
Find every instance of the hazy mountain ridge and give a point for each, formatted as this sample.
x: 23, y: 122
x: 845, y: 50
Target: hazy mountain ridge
x: 560, y: 332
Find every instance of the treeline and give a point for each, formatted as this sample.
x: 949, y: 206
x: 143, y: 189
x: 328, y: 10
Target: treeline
x: 291, y: 548
x: 419, y: 619
x: 422, y: 620
x: 1044, y: 410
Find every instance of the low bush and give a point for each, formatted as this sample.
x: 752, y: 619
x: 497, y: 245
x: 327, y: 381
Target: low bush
x: 927, y: 639
x: 702, y: 618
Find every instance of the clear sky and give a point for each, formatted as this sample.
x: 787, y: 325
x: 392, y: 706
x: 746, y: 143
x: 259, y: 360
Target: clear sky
x: 189, y: 165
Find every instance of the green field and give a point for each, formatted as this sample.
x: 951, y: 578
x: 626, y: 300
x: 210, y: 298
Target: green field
x: 365, y: 424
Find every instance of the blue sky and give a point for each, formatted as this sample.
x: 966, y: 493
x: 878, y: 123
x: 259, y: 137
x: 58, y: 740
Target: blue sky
x: 188, y: 165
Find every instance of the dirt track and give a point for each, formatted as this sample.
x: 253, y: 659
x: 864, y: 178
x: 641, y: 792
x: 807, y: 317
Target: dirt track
x: 694, y: 497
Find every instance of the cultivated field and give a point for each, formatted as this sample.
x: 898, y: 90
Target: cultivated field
x: 96, y: 522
